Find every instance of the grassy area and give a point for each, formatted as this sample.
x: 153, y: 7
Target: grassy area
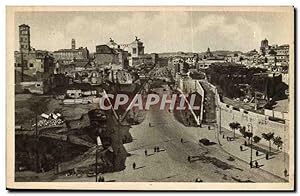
x: 27, y: 104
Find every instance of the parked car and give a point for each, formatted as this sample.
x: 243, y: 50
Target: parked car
x: 91, y: 174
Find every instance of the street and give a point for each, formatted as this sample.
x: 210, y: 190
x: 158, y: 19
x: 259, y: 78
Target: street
x: 209, y: 163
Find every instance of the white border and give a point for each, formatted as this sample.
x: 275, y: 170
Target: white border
x: 111, y: 2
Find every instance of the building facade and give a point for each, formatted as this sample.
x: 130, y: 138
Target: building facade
x: 111, y: 53
x: 34, y: 69
x: 30, y: 61
x: 105, y: 55
x: 67, y: 56
x: 136, y: 48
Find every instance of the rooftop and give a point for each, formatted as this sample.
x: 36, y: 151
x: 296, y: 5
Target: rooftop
x: 24, y: 25
x: 70, y: 50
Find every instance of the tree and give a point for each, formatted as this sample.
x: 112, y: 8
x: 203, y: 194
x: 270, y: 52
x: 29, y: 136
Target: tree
x: 234, y: 126
x: 256, y: 139
x: 268, y: 137
x: 243, y: 131
x: 238, y: 125
x: 277, y: 141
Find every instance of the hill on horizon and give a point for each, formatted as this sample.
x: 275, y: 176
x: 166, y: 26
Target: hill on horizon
x: 215, y: 53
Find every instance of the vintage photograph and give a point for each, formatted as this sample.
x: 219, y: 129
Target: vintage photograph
x: 171, y: 98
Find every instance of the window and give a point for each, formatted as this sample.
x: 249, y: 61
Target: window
x: 38, y: 85
x: 31, y: 65
x: 134, y: 50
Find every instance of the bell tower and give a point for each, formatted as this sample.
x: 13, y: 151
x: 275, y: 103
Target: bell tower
x: 24, y: 38
x: 73, y: 44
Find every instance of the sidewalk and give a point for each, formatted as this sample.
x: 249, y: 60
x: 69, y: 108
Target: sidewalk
x: 275, y: 165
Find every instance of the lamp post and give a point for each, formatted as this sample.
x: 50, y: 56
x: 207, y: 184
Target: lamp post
x: 284, y: 149
x: 251, y: 136
x: 96, y: 165
x: 36, y: 108
x: 37, y: 164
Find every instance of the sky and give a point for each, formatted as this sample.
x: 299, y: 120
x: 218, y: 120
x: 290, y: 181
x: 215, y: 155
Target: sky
x: 164, y: 31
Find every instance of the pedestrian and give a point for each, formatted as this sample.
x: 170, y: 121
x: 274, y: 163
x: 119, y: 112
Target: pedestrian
x: 145, y: 152
x: 245, y: 143
x: 250, y: 164
x: 267, y: 156
x: 223, y: 136
x: 208, y: 127
x: 189, y: 159
x: 256, y: 153
x: 241, y: 147
x: 256, y: 164
x: 285, y: 173
x: 133, y: 165
x: 154, y: 148
x: 227, y: 138
x: 181, y: 140
x: 157, y: 149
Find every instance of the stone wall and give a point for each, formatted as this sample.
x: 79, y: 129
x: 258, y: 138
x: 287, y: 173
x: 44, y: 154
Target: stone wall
x: 188, y: 86
x: 260, y: 123
x: 105, y: 59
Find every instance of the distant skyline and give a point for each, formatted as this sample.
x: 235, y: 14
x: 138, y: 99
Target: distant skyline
x: 160, y: 31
